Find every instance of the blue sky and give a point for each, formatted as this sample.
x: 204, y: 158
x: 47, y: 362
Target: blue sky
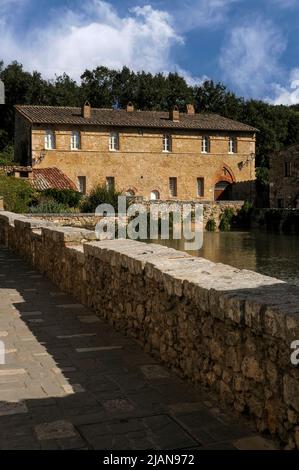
x: 250, y: 45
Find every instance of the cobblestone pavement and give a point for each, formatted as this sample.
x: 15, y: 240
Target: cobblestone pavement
x: 70, y: 381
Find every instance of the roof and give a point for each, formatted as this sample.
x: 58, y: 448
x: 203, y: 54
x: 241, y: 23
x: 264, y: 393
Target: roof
x: 42, y: 178
x: 121, y: 118
x: 46, y: 178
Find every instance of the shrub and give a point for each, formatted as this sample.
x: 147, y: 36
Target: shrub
x: 6, y: 155
x: 226, y: 219
x: 100, y: 195
x: 243, y: 218
x: 49, y: 206
x: 67, y: 197
x: 17, y: 194
x: 211, y: 225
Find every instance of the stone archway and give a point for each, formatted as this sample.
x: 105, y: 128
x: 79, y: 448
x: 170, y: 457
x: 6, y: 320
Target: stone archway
x: 222, y: 188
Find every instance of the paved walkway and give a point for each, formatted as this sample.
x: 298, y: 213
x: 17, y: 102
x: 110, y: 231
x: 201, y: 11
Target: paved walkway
x: 72, y: 382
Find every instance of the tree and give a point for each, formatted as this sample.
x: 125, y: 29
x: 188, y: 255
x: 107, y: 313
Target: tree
x: 96, y: 87
x: 215, y: 98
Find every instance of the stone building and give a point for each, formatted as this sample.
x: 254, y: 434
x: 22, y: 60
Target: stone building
x: 157, y: 155
x: 284, y: 178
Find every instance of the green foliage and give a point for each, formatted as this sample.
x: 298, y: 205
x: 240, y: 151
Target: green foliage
x: 6, y: 155
x: 66, y: 197
x: 17, y: 193
x: 262, y: 187
x: 211, y: 225
x: 49, y: 206
x: 262, y: 176
x: 100, y: 195
x: 243, y: 218
x: 226, y: 220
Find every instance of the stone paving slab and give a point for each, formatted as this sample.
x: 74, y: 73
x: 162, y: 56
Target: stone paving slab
x: 71, y: 382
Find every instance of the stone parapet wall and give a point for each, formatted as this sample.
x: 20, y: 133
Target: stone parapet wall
x: 211, y: 211
x: 227, y: 329
x: 277, y: 220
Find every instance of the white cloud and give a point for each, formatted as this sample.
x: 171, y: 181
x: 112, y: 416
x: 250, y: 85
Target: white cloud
x: 288, y: 95
x: 249, y: 59
x: 190, y: 79
x: 284, y: 3
x: 96, y: 35
x: 193, y: 14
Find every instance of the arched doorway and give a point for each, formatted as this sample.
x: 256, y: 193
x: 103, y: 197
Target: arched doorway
x: 155, y: 195
x: 222, y: 190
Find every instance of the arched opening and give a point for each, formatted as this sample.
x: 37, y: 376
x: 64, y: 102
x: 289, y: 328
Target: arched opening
x: 222, y: 191
x: 227, y: 174
x: 155, y: 195
x: 130, y: 192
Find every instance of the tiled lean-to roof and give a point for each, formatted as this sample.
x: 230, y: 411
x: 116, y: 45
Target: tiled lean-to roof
x: 48, y: 178
x: 41, y: 178
x: 121, y: 118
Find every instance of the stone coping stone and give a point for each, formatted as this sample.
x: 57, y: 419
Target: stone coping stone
x: 23, y: 220
x: 63, y: 235
x: 76, y: 251
x: 242, y: 296
x: 31, y: 224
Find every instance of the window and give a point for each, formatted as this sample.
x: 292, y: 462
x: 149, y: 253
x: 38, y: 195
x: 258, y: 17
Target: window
x: 75, y: 140
x: 287, y: 169
x: 232, y: 145
x: 113, y: 141
x: 200, y: 187
x: 205, y: 144
x: 49, y: 140
x: 280, y: 203
x: 173, y: 190
x: 110, y: 182
x: 155, y: 195
x: 130, y: 193
x: 82, y: 184
x: 167, y: 143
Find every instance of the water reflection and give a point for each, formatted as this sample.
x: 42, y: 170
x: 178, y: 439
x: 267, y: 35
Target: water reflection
x: 267, y: 253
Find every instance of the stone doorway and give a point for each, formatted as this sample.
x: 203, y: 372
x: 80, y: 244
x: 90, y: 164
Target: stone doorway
x: 222, y: 191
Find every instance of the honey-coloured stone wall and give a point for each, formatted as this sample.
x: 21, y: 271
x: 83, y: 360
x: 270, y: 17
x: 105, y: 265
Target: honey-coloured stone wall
x: 228, y: 329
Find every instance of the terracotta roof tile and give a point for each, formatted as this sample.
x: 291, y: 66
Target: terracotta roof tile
x: 121, y: 118
x: 46, y: 178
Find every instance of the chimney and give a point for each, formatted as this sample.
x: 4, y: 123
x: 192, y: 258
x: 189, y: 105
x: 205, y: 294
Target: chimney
x: 190, y: 109
x: 86, y: 110
x: 130, y: 107
x: 174, y: 114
